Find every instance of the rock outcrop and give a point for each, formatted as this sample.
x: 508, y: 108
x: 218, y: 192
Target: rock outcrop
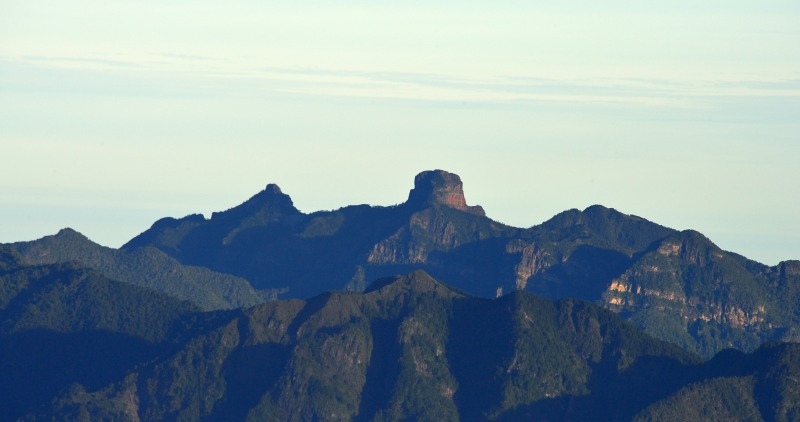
x: 650, y: 273
x: 443, y: 188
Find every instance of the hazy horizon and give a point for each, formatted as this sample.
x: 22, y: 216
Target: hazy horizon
x: 115, y: 115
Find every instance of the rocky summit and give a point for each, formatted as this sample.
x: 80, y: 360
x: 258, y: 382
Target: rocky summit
x: 443, y: 188
x: 677, y: 285
x: 427, y: 310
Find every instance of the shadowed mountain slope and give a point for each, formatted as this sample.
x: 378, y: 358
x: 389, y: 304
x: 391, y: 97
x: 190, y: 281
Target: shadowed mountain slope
x: 269, y: 242
x: 678, y: 286
x: 146, y: 267
x: 412, y: 348
x: 60, y: 324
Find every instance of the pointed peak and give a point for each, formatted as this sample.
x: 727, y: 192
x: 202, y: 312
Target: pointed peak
x: 272, y: 194
x: 273, y: 189
x: 67, y: 236
x: 416, y: 281
x: 270, y: 200
x: 68, y: 232
x: 442, y: 188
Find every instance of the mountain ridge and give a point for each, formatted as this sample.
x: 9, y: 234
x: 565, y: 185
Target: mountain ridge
x: 413, y: 348
x: 146, y: 266
x: 675, y: 284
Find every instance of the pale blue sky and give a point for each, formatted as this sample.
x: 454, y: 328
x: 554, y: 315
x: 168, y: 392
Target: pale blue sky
x: 116, y: 113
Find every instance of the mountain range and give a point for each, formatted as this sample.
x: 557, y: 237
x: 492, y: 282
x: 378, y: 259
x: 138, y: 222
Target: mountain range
x: 409, y: 347
x: 676, y: 285
x: 424, y: 310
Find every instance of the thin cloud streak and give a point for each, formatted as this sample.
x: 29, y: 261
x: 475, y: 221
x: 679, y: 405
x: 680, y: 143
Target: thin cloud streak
x: 378, y: 84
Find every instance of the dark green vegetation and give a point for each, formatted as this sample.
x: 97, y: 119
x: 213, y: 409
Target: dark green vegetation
x: 407, y: 348
x: 174, y: 325
x: 147, y: 267
x: 678, y: 286
x: 60, y: 324
x: 762, y: 386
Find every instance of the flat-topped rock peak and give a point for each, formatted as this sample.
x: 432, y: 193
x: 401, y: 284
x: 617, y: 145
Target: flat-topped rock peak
x: 443, y: 188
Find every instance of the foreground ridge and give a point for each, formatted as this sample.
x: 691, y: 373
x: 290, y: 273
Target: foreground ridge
x: 408, y: 347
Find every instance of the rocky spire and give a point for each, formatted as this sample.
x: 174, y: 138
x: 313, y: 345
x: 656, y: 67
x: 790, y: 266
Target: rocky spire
x: 443, y: 188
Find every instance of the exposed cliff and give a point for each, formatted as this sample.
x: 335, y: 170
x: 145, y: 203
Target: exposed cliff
x: 688, y: 281
x: 679, y: 286
x: 438, y: 187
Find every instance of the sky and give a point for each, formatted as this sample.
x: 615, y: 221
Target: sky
x: 114, y: 114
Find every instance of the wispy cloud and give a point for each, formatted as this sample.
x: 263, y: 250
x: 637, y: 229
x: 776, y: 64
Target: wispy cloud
x: 89, y: 63
x: 380, y: 84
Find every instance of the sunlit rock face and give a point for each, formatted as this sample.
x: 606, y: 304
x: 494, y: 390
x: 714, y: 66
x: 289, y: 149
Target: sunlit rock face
x: 441, y: 187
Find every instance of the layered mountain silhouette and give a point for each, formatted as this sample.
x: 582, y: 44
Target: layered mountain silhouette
x: 677, y: 285
x: 61, y: 325
x: 409, y: 347
x: 146, y: 267
x: 273, y: 245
